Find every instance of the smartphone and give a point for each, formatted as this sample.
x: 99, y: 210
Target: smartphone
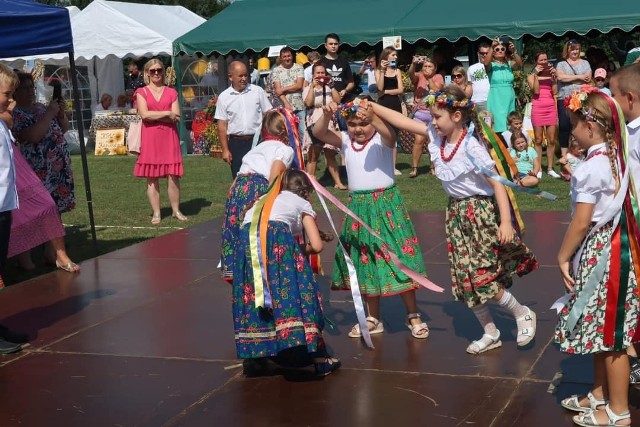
x: 505, y: 40
x: 393, y: 64
x: 57, y: 91
x: 447, y: 80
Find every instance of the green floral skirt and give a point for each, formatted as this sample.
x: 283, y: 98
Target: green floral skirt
x: 384, y: 211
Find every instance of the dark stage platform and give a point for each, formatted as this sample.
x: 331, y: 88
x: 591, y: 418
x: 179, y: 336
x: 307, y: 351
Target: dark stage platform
x: 144, y: 337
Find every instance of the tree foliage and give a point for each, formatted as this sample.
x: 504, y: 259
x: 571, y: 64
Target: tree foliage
x: 204, y: 8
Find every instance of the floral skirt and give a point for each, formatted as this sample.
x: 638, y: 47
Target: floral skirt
x: 480, y: 266
x: 589, y: 333
x: 295, y: 318
x: 384, y: 211
x: 244, y: 191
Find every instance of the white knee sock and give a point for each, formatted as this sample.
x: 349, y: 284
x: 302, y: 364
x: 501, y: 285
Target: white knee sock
x: 486, y: 320
x: 509, y: 302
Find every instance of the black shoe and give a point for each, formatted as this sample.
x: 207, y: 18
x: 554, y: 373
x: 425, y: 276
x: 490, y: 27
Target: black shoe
x: 255, y: 367
x: 13, y: 336
x: 328, y: 366
x: 7, y: 347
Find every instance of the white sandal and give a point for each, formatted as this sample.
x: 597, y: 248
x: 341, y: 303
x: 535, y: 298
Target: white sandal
x: 416, y: 329
x: 528, y: 332
x: 479, y: 346
x: 378, y: 328
x: 572, y: 403
x: 588, y: 419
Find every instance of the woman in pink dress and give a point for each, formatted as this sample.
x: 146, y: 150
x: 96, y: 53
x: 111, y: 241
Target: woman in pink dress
x: 160, y: 154
x: 544, y: 113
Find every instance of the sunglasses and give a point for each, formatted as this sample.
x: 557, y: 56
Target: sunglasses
x: 457, y: 76
x: 155, y: 71
x: 599, y: 79
x: 483, y: 53
x: 499, y: 49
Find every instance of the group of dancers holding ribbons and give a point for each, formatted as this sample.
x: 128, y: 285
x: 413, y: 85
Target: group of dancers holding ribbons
x: 270, y: 230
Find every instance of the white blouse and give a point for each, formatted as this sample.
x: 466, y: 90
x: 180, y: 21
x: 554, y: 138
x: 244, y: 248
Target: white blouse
x: 459, y: 177
x: 262, y: 156
x: 288, y: 208
x: 592, y: 182
x: 371, y: 168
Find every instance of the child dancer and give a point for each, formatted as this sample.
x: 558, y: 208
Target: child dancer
x: 293, y: 318
x: 527, y: 160
x: 602, y: 316
x: 484, y: 250
x: 368, y: 150
x: 570, y: 162
x: 260, y: 167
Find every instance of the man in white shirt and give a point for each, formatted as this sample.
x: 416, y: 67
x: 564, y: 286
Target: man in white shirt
x: 479, y: 79
x: 625, y: 88
x: 368, y: 68
x: 239, y: 112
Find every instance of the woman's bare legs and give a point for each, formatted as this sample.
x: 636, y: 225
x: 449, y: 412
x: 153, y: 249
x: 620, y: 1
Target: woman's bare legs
x: 61, y: 254
x: 153, y: 194
x: 173, y: 189
x: 332, y: 167
x: 416, y: 151
x: 550, y: 133
x: 538, y: 134
x: 312, y: 160
x: 24, y: 260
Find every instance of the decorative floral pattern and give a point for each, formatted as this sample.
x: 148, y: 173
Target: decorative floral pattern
x: 245, y: 190
x: 50, y: 158
x: 479, y: 265
x: 588, y: 336
x: 384, y: 211
x: 295, y: 318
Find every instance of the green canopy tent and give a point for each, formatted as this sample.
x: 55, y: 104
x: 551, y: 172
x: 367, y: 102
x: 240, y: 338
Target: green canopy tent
x: 256, y: 24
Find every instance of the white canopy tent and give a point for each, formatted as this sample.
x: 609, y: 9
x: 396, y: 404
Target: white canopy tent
x: 106, y: 32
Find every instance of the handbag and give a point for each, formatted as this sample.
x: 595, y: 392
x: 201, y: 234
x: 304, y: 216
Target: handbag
x: 134, y: 137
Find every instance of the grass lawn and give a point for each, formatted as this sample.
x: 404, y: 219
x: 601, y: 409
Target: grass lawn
x: 123, y: 216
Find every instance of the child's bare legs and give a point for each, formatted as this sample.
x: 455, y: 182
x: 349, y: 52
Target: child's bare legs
x: 413, y: 316
x: 332, y: 167
x: 312, y: 161
x: 373, y: 306
x: 529, y: 181
x: 612, y: 381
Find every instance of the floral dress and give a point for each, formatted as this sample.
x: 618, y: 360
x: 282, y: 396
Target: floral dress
x: 50, y: 158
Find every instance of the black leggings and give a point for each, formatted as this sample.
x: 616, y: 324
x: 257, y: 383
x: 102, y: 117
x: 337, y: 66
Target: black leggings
x: 564, y: 125
x: 5, y: 231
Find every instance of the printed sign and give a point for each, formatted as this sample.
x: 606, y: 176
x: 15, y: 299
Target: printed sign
x: 275, y: 50
x: 393, y: 41
x: 110, y: 142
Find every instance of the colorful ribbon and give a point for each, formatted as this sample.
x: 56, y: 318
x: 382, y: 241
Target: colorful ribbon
x: 291, y: 123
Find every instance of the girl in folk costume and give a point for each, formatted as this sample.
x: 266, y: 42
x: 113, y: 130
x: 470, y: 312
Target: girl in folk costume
x: 368, y: 146
x: 598, y: 260
x: 260, y: 166
x: 483, y: 248
x: 276, y: 300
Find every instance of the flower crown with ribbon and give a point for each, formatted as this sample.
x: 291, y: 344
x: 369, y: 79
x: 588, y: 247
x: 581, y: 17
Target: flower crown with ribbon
x: 443, y: 100
x: 575, y: 103
x: 349, y: 109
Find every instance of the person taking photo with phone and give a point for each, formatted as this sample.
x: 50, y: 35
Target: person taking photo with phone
x: 389, y: 82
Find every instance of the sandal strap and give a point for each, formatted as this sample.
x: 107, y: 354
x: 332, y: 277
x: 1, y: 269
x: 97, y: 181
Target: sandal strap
x: 613, y: 417
x: 373, y: 320
x: 594, y: 403
x: 411, y: 316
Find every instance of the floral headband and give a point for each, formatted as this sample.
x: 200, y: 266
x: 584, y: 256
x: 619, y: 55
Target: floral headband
x: 575, y: 103
x: 443, y: 100
x: 349, y: 109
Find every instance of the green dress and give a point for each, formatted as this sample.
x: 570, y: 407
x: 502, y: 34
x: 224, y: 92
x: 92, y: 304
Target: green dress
x: 502, y: 97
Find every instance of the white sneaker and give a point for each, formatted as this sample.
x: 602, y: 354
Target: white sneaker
x: 396, y: 172
x: 539, y: 174
x: 553, y: 174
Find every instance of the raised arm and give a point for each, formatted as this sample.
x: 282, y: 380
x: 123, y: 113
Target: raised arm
x: 321, y: 128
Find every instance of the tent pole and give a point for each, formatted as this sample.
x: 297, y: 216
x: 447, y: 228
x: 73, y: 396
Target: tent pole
x: 83, y: 149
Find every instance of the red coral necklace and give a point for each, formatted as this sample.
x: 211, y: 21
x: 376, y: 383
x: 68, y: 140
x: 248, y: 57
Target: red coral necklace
x: 455, y: 149
x: 362, y: 145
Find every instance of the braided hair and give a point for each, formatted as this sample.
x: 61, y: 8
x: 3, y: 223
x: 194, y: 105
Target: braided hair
x: 297, y: 182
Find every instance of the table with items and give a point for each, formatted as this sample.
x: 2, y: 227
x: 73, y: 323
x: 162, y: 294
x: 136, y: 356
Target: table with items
x: 114, y: 120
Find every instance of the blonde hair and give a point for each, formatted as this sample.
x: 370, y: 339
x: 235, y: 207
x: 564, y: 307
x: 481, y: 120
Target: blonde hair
x: 7, y: 76
x: 458, y: 69
x: 565, y: 48
x: 627, y: 79
x: 599, y: 112
x: 148, y: 65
